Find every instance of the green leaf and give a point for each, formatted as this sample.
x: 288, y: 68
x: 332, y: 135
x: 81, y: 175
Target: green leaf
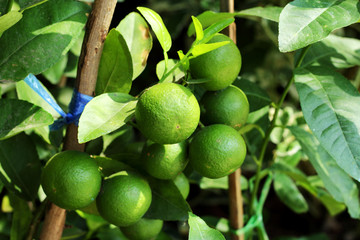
x: 167, y: 202
x: 198, y: 28
x: 42, y: 40
x: 199, y: 230
x: 54, y: 73
x: 25, y: 92
x: 335, y: 180
x: 221, y: 183
x: 137, y: 35
x: 305, y: 22
x: 109, y: 166
x: 8, y: 20
x: 330, y: 105
x: 208, y: 18
x: 289, y: 194
x: 214, y: 29
x: 30, y: 3
x: 21, y: 218
x: 174, y: 76
x: 20, y: 168
x: 157, y: 26
x: 104, y: 114
x: 115, y: 68
x: 200, y: 49
x: 18, y: 116
x: 4, y: 6
x: 334, y: 52
x: 257, y: 97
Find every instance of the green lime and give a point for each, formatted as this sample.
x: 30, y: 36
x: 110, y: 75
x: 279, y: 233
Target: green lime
x: 165, y: 161
x: 144, y: 229
x: 228, y: 106
x: 167, y: 113
x: 182, y: 184
x: 124, y: 198
x: 71, y: 179
x: 221, y: 66
x: 216, y: 151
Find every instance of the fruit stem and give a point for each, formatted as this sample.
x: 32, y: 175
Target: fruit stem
x: 270, y: 129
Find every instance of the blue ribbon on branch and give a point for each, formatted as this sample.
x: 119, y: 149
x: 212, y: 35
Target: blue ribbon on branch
x: 76, y: 107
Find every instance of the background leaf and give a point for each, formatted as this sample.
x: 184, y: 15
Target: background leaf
x: 137, y: 35
x: 20, y: 168
x: 8, y: 20
x: 289, y: 194
x: 305, y: 22
x: 41, y: 41
x: 21, y: 218
x: 174, y: 76
x: 335, y: 180
x: 104, y: 114
x: 324, y: 97
x: 55, y: 73
x: 199, y: 230
x: 115, y: 68
x: 167, y: 203
x: 157, y: 26
x: 4, y: 5
x: 18, y: 116
x: 30, y: 3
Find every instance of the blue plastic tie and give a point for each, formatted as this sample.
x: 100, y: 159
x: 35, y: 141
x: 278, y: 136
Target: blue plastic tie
x: 76, y: 107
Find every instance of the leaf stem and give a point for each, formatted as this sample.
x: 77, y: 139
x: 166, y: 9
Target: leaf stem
x: 179, y: 63
x: 270, y: 129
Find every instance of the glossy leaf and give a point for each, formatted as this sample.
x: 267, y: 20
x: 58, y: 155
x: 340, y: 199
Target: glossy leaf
x: 334, y: 52
x: 22, y: 217
x: 324, y: 97
x: 40, y: 41
x: 137, y: 35
x: 115, y: 68
x: 55, y: 73
x: 215, y: 28
x: 104, y: 114
x: 20, y: 168
x: 198, y: 28
x: 174, y: 76
x: 157, y: 26
x: 335, y: 180
x: 289, y: 194
x: 305, y: 22
x: 30, y: 3
x: 167, y: 202
x: 209, y: 17
x: 18, y: 116
x: 200, y: 49
x: 8, y: 20
x: 199, y: 230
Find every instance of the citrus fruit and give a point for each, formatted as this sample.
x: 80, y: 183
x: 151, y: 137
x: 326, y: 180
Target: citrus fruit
x: 167, y: 113
x: 144, y: 229
x: 220, y: 66
x: 216, y: 151
x: 165, y: 161
x: 228, y: 106
x: 124, y: 198
x: 71, y: 179
x: 182, y: 183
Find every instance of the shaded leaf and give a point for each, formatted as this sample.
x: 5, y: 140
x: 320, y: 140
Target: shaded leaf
x: 221, y: 183
x: 115, y: 68
x: 289, y: 194
x: 18, y: 116
x: 30, y: 3
x: 177, y: 74
x: 20, y: 168
x: 335, y: 180
x: 8, y: 20
x: 41, y: 41
x: 54, y: 73
x: 305, y: 22
x: 167, y: 202
x: 199, y: 230
x: 4, y: 6
x: 324, y: 97
x: 22, y: 217
x: 157, y: 26
x: 104, y: 114
x: 137, y: 35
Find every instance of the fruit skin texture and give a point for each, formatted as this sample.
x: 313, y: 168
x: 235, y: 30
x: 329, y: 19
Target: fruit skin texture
x: 182, y: 183
x: 167, y: 113
x: 71, y: 179
x: 144, y: 229
x: 228, y: 106
x: 124, y: 198
x: 221, y: 65
x: 165, y: 161
x: 216, y: 151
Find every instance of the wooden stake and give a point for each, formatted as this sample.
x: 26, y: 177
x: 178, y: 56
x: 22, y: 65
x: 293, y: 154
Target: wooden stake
x: 235, y: 196
x: 96, y: 30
